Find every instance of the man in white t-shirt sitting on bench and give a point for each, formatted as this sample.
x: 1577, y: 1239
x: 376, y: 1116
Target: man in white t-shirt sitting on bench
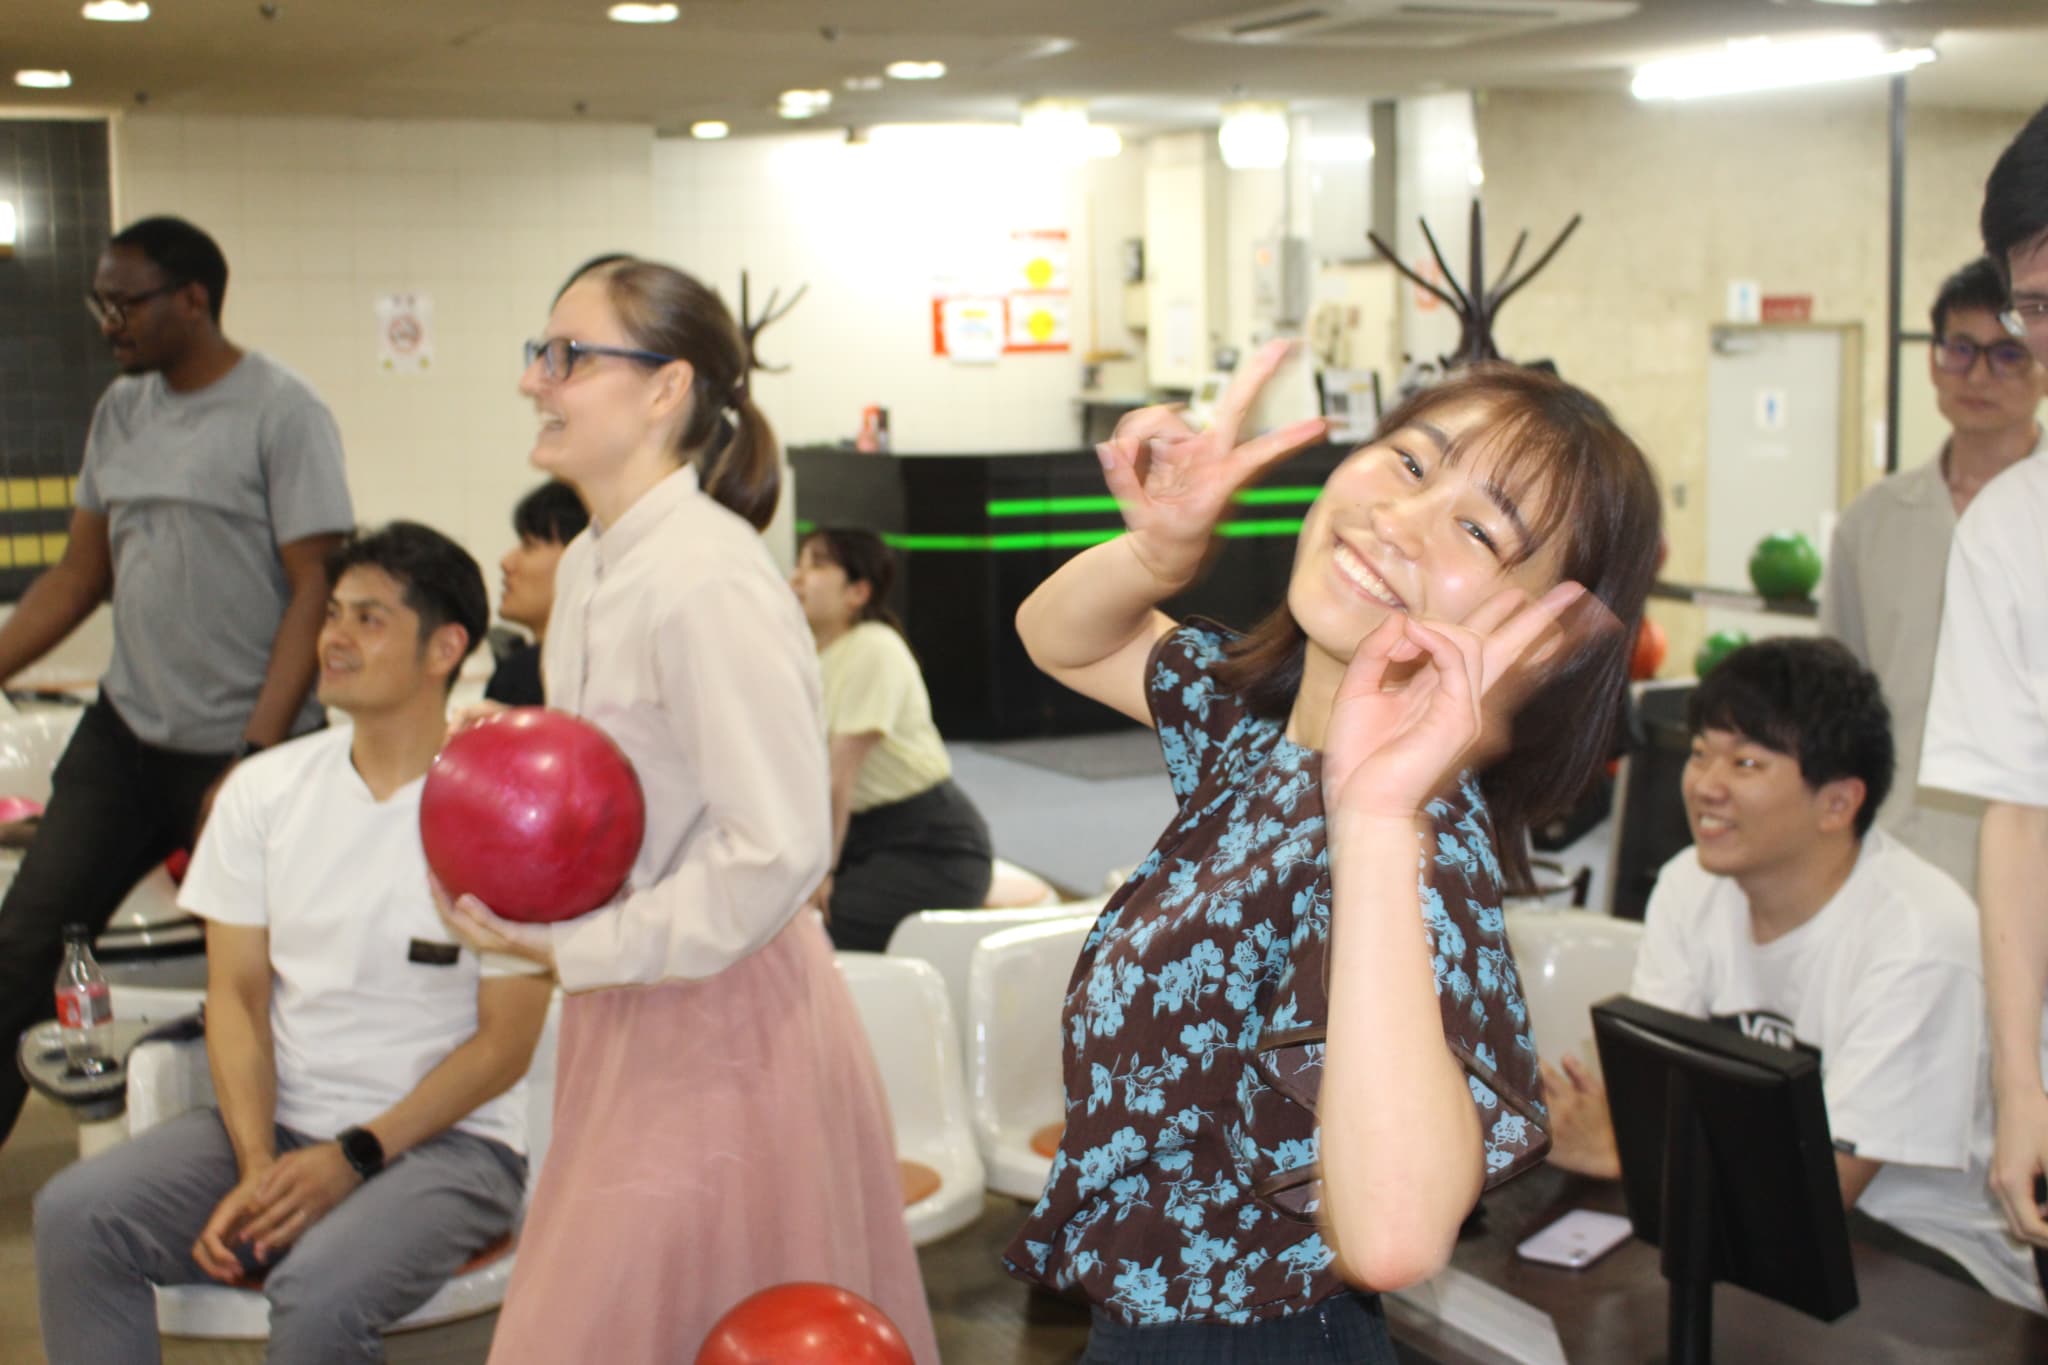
x: 369, y: 1135
x: 1793, y: 920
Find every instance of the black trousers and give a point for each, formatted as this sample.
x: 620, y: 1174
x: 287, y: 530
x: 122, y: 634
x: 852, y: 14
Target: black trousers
x: 1344, y: 1329
x: 931, y: 852
x: 118, y: 807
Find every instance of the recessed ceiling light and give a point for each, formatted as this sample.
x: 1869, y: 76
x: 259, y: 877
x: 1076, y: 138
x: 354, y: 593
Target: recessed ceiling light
x: 803, y: 103
x: 644, y: 14
x: 709, y: 130
x: 116, y: 11
x: 863, y: 83
x: 1746, y: 65
x: 43, y: 80
x: 916, y: 71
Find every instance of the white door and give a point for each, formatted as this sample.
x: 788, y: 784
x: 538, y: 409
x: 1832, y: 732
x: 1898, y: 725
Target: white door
x: 1774, y: 450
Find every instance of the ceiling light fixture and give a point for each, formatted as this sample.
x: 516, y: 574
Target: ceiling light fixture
x: 1104, y: 142
x: 1253, y: 136
x: 803, y: 103
x: 915, y: 71
x: 709, y: 130
x: 43, y: 80
x: 644, y: 14
x: 115, y: 11
x: 1056, y: 129
x: 863, y: 84
x: 1753, y: 64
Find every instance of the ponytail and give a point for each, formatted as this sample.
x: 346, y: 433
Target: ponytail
x: 739, y: 464
x: 742, y: 468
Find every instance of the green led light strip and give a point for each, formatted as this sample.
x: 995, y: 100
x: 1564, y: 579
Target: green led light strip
x: 1058, y: 540
x: 1058, y: 507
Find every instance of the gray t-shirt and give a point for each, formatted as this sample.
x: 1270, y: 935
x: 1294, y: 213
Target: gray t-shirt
x: 199, y: 489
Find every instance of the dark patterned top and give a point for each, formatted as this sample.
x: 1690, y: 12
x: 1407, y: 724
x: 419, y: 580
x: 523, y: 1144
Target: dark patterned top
x: 1186, y: 1186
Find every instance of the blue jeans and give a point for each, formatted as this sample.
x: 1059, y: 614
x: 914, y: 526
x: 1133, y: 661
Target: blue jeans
x: 1344, y: 1329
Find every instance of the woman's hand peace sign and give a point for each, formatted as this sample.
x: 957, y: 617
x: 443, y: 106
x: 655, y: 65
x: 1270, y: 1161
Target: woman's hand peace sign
x: 1174, y: 484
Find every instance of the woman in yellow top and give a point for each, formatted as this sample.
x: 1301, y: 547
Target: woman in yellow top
x: 904, y: 837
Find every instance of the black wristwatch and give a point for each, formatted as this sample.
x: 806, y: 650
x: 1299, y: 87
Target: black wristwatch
x: 359, y: 1146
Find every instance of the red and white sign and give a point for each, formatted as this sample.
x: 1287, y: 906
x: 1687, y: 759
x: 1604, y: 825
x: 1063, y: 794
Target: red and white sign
x: 1786, y: 308
x: 405, y: 333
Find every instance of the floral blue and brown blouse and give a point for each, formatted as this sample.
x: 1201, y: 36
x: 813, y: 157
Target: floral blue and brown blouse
x: 1186, y: 1184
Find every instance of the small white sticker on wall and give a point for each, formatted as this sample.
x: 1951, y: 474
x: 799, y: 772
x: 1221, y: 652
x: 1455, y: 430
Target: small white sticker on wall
x: 1745, y: 301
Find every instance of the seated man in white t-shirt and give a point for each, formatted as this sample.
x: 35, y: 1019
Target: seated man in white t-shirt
x: 1793, y: 920
x: 368, y: 1137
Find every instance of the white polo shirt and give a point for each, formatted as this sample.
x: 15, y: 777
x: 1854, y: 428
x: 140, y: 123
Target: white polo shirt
x: 368, y: 990
x: 1886, y: 984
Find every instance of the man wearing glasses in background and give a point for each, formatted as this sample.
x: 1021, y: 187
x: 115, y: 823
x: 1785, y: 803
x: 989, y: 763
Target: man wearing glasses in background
x: 211, y: 493
x: 1889, y: 558
x: 1987, y: 724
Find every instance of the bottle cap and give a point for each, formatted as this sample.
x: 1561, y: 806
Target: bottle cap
x: 77, y: 933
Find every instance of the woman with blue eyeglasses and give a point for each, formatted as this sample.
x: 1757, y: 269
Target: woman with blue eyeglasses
x: 719, y: 1123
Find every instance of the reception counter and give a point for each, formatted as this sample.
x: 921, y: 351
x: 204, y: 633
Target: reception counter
x: 976, y: 533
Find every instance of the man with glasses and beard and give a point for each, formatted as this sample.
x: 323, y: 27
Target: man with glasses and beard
x: 1889, y: 559
x: 211, y: 493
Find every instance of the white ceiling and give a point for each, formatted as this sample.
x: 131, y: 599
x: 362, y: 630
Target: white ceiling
x: 727, y: 59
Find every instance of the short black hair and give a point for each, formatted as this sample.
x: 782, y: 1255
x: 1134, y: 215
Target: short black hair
x: 1810, y: 699
x: 554, y: 511
x: 442, y: 583
x: 183, y: 252
x: 1979, y: 285
x: 2016, y: 194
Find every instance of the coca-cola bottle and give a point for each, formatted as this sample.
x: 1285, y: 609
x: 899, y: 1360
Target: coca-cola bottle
x: 85, y: 1006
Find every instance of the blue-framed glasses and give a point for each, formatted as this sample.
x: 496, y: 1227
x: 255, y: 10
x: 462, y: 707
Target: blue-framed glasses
x: 558, y: 356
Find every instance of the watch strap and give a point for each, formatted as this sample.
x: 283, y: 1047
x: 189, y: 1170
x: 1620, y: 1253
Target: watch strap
x: 361, y: 1149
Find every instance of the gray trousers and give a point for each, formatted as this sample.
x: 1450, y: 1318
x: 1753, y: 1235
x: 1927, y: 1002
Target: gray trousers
x: 108, y: 1229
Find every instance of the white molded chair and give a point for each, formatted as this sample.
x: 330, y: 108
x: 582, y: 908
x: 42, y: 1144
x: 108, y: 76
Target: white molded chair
x: 947, y: 939
x: 1011, y: 887
x: 902, y: 1004
x: 166, y: 1079
x: 1569, y: 960
x: 1016, y: 987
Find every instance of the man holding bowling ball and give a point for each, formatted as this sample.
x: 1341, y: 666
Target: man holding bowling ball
x: 368, y: 1137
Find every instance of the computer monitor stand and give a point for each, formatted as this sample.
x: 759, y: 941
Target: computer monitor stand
x: 1689, y: 1260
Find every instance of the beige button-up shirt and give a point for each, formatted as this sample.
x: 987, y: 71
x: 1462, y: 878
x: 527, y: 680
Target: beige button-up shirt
x: 1882, y: 597
x: 674, y: 633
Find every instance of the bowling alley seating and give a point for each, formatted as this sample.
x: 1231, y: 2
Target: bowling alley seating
x: 1569, y: 960
x: 1016, y: 987
x: 902, y: 1003
x: 947, y: 939
x: 167, y: 1079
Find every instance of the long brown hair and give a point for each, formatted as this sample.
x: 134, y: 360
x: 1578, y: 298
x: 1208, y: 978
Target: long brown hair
x: 1600, y: 506
x: 670, y: 313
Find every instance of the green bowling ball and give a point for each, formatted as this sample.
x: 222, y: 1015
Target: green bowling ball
x: 1785, y: 564
x: 1719, y: 646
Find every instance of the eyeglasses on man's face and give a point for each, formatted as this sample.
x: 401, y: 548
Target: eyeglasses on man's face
x: 559, y: 356
x: 1958, y: 355
x: 111, y: 310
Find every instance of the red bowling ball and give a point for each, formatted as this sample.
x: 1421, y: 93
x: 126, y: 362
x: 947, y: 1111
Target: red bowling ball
x: 535, y: 813
x: 804, y: 1324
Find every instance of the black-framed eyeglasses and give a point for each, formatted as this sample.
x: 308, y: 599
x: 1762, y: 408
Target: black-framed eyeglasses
x: 558, y: 355
x: 111, y: 310
x: 1958, y: 355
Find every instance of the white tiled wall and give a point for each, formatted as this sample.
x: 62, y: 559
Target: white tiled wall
x: 320, y: 216
x: 869, y: 228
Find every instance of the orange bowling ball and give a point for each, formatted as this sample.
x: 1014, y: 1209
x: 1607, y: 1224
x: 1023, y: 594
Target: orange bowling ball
x: 804, y: 1324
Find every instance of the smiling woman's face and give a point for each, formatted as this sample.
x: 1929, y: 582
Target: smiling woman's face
x: 1400, y: 527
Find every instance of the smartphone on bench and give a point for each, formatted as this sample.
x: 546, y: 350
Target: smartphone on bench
x: 1576, y: 1240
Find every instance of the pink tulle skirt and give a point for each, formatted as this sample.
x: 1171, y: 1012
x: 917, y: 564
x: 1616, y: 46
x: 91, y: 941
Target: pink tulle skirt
x: 711, y: 1138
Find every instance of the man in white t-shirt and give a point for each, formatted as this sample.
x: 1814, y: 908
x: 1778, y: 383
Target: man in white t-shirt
x: 368, y: 1138
x: 1793, y: 920
x: 1987, y: 721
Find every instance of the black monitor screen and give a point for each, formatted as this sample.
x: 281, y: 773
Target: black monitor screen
x: 1749, y: 1125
